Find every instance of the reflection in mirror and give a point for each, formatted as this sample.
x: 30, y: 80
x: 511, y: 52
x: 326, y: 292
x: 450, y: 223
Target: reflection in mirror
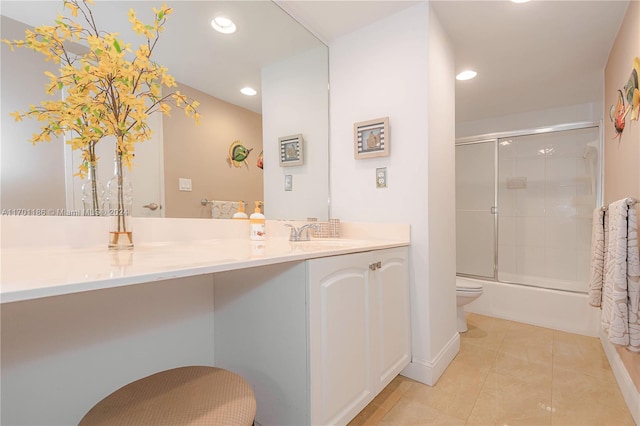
x: 184, y: 163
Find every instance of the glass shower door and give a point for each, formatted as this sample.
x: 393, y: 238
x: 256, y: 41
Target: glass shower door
x: 548, y: 188
x: 476, y: 209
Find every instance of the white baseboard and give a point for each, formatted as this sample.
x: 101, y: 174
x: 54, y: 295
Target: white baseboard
x: 428, y: 372
x: 628, y: 389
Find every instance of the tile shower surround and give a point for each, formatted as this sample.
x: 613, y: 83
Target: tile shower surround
x: 545, y: 229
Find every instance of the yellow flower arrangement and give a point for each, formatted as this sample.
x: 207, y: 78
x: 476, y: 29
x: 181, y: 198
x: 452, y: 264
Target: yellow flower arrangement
x: 105, y: 92
x: 109, y: 90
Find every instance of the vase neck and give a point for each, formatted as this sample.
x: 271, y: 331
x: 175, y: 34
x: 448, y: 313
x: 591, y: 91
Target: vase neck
x: 92, y: 170
x: 117, y: 165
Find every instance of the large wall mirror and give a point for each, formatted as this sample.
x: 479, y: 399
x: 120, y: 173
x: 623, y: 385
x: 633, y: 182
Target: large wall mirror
x: 270, y: 51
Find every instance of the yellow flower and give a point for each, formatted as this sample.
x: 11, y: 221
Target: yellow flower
x: 168, y: 79
x: 165, y: 109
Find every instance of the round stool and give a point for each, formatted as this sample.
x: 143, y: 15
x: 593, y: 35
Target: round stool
x: 181, y: 396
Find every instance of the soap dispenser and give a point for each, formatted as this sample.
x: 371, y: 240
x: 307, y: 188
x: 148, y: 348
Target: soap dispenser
x: 257, y: 224
x: 240, y: 214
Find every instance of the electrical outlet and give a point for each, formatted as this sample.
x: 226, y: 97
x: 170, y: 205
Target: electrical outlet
x: 184, y: 184
x: 381, y: 177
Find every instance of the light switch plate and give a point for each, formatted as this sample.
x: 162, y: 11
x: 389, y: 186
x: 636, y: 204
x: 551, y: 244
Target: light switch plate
x: 184, y: 184
x: 381, y: 177
x: 288, y: 182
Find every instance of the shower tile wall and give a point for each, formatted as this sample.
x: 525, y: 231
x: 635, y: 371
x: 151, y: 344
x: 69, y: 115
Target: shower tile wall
x: 546, y: 195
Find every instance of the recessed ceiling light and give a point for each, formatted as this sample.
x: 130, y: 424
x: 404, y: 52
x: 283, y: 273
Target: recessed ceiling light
x: 223, y: 25
x: 519, y: 1
x: 466, y: 75
x: 248, y: 91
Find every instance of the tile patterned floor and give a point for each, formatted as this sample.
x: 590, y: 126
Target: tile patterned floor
x: 508, y: 373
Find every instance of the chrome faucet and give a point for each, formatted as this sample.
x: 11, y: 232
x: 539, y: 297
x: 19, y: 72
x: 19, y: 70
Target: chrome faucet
x: 300, y: 234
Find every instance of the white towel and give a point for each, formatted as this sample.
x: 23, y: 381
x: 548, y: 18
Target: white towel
x: 620, y: 316
x: 596, y: 272
x: 633, y: 281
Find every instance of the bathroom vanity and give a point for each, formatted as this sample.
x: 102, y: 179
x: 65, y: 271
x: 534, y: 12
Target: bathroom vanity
x: 317, y: 328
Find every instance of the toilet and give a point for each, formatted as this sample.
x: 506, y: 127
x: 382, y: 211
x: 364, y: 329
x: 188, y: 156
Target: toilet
x: 466, y: 292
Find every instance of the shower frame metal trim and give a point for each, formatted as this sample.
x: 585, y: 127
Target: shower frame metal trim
x: 494, y: 208
x: 532, y: 131
x: 495, y: 137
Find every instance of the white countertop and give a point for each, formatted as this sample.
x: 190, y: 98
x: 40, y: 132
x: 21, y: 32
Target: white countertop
x: 29, y: 273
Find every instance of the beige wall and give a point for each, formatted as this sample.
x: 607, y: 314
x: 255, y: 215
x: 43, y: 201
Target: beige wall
x: 199, y: 153
x: 33, y: 177
x: 622, y: 157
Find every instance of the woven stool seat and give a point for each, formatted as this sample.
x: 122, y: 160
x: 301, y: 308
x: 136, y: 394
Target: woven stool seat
x: 181, y: 396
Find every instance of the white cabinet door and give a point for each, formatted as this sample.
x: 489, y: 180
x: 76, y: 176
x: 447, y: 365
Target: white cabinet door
x: 340, y: 342
x: 392, y: 319
x: 359, y: 331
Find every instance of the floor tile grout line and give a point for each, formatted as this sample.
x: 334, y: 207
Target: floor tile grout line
x: 484, y: 381
x: 387, y: 411
x: 394, y: 404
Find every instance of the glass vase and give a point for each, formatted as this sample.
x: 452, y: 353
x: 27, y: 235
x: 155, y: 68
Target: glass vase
x: 119, y: 202
x: 92, y: 192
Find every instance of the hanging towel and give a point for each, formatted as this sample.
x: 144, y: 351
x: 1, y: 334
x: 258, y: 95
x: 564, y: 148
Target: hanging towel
x: 621, y: 269
x: 596, y: 272
x: 633, y: 281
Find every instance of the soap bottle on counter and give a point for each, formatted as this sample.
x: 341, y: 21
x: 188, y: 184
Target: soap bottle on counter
x: 257, y: 224
x: 240, y: 214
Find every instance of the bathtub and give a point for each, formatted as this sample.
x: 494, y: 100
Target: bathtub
x: 555, y: 309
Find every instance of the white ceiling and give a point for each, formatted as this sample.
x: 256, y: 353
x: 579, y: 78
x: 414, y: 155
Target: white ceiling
x: 530, y: 56
x: 330, y: 19
x: 194, y: 53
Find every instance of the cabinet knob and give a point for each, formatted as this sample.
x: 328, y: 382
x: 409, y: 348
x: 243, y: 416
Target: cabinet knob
x: 375, y: 266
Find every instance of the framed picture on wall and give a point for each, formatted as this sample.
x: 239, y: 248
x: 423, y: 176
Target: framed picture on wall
x: 371, y: 138
x: 291, y: 150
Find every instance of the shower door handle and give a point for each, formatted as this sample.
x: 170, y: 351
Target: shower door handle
x: 494, y: 210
